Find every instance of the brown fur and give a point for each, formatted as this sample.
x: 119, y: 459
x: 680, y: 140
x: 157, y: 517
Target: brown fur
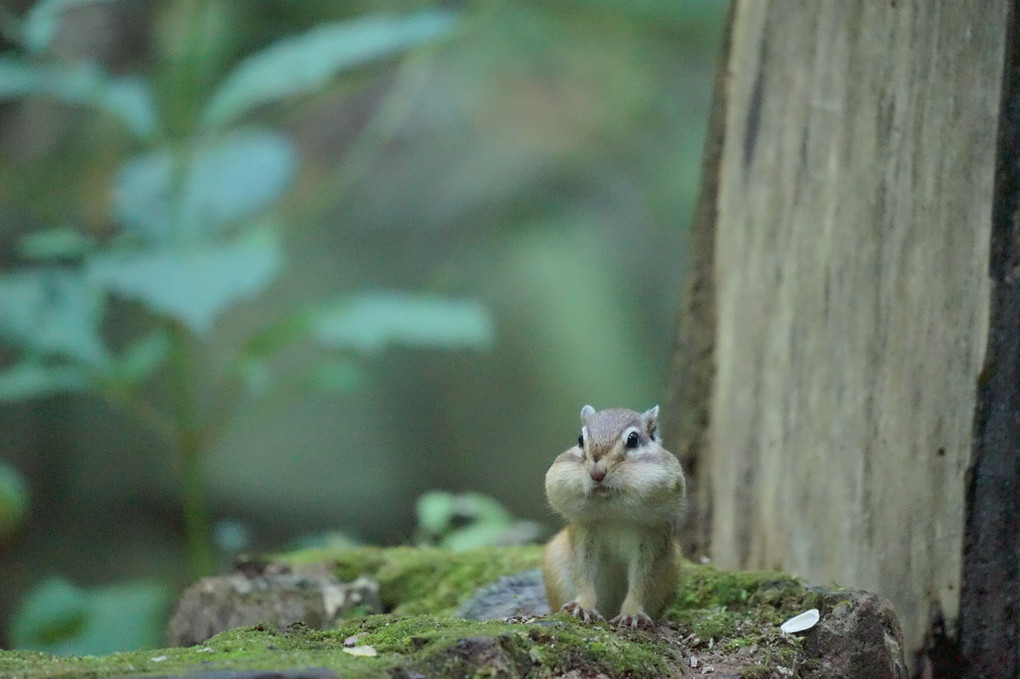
x: 619, y: 553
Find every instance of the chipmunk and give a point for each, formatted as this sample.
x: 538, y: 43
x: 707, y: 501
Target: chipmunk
x: 623, y: 496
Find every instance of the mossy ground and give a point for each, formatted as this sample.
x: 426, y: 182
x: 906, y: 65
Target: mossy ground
x: 734, y: 616
x: 422, y: 579
x: 430, y: 645
x: 718, y: 617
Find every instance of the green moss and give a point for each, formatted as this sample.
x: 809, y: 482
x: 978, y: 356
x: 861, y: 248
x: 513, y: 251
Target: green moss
x: 423, y: 643
x: 713, y: 603
x: 705, y: 586
x: 246, y: 648
x: 423, y: 579
x: 735, y: 610
x: 557, y: 643
x: 715, y: 612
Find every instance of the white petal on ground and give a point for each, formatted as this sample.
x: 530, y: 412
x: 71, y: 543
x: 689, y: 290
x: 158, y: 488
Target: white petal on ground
x: 799, y: 623
x: 363, y: 651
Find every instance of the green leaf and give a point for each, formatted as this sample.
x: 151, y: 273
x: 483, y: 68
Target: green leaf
x: 259, y: 377
x: 221, y: 182
x: 51, y: 612
x: 126, y: 99
x: 256, y: 376
x: 304, y: 63
x: 39, y: 27
x: 337, y: 375
x: 142, y: 358
x: 435, y: 510
x: 371, y: 321
x: 13, y: 500
x: 464, y: 521
x: 59, y: 243
x: 277, y: 335
x: 31, y: 379
x: 194, y: 286
x: 52, y: 311
x: 57, y: 617
x: 478, y: 534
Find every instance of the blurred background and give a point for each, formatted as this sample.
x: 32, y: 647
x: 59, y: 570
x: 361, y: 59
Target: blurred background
x: 272, y: 271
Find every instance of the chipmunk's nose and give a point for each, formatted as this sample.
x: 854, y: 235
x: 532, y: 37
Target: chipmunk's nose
x: 598, y: 472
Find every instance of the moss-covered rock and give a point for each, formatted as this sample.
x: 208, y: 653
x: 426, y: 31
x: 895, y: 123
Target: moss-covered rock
x: 725, y: 621
x: 403, y: 645
x: 421, y: 579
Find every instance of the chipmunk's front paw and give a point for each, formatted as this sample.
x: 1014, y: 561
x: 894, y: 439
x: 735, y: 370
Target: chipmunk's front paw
x: 581, y: 613
x: 637, y: 621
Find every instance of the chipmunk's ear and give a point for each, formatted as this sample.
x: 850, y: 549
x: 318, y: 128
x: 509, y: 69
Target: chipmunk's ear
x: 651, y: 420
x: 586, y: 412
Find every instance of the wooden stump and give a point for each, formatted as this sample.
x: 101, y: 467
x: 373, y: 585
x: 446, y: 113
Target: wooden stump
x: 837, y: 314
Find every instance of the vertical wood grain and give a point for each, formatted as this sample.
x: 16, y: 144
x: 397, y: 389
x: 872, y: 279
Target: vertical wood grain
x: 851, y: 292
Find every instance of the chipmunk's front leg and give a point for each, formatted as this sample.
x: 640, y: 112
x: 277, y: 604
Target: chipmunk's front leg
x: 569, y: 580
x: 583, y: 605
x: 651, y: 580
x: 632, y: 611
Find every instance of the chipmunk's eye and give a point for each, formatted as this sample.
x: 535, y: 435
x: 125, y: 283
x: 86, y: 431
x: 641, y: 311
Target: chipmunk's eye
x: 580, y: 440
x: 632, y: 440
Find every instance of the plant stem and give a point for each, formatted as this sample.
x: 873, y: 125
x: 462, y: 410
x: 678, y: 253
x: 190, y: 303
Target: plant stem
x: 190, y: 448
x: 186, y: 51
x: 196, y: 510
x: 187, y: 68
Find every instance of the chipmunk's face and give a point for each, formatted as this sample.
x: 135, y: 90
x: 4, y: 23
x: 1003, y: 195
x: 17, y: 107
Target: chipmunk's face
x: 618, y: 471
x: 609, y: 440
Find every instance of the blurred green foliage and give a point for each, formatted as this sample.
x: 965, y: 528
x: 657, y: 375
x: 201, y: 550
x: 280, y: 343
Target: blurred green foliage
x: 57, y: 617
x: 468, y: 521
x: 13, y: 500
x: 197, y: 234
x: 505, y: 175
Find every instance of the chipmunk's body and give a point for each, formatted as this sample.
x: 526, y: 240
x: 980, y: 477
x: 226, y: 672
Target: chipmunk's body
x: 623, y: 497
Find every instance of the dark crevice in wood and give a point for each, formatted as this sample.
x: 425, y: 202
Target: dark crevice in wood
x: 990, y: 597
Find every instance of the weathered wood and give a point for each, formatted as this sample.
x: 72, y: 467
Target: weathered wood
x: 990, y: 599
x: 851, y: 295
x: 693, y: 370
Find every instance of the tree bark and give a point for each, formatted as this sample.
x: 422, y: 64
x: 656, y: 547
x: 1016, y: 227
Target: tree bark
x: 693, y: 367
x: 845, y: 231
x: 990, y: 598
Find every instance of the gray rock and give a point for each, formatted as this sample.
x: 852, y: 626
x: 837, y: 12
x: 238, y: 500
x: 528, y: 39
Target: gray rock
x: 512, y: 596
x: 858, y: 636
x: 273, y: 595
